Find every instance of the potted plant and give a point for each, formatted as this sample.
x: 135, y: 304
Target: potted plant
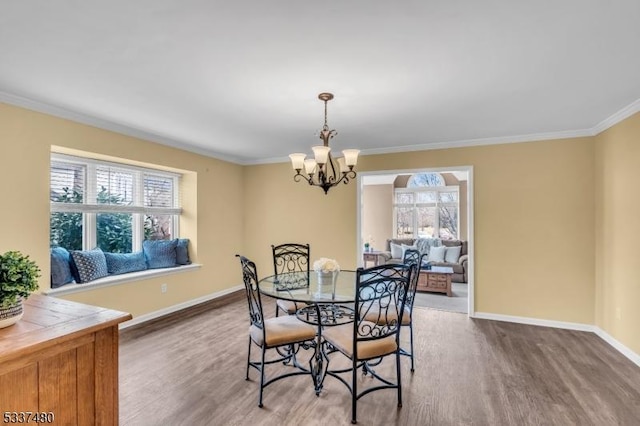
x: 18, y: 279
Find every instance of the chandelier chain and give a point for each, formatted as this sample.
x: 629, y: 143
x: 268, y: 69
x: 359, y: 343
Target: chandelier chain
x: 326, y: 126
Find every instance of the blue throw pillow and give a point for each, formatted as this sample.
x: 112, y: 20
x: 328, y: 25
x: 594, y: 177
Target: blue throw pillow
x: 182, y: 252
x: 90, y: 265
x: 160, y: 253
x: 121, y: 263
x: 60, y: 267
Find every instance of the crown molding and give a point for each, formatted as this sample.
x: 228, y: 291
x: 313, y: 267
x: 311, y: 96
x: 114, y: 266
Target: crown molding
x: 457, y: 144
x: 611, y: 121
x: 112, y: 126
x: 567, y: 134
x: 150, y: 136
x: 614, y: 119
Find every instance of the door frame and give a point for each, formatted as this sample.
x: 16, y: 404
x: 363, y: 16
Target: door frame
x: 470, y: 219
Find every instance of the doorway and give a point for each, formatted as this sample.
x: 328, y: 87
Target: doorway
x: 430, y: 203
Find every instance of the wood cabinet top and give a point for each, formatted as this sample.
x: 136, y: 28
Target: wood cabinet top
x: 49, y: 321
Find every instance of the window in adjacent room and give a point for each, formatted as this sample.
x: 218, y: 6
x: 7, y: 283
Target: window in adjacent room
x: 427, y: 208
x: 110, y: 205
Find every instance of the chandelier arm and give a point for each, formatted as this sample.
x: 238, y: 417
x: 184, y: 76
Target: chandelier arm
x: 299, y: 176
x: 333, y: 176
x: 347, y: 176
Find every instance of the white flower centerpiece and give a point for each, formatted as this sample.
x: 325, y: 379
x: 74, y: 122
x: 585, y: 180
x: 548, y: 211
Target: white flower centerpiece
x: 327, y: 270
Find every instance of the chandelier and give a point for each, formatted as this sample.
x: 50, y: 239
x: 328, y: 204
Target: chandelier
x: 322, y: 170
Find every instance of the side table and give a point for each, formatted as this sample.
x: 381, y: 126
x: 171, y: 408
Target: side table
x: 370, y: 256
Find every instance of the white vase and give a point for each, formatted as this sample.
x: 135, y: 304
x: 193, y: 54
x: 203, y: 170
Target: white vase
x: 326, y: 278
x: 11, y: 315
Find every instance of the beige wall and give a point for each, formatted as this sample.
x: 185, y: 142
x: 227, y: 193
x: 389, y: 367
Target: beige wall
x: 534, y: 221
x: 215, y: 227
x: 279, y: 210
x: 536, y: 211
x: 617, y: 231
x: 377, y: 215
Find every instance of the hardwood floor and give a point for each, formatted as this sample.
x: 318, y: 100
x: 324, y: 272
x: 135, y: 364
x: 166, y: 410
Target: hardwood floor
x: 189, y: 370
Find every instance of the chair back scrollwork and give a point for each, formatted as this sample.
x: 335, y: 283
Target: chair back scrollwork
x: 250, y: 279
x: 380, y: 297
x: 413, y: 257
x: 290, y: 257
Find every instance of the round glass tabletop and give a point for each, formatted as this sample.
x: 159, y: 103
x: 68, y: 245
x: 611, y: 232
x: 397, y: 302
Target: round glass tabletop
x: 311, y: 288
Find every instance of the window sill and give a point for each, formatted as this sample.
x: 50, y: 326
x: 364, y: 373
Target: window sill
x: 119, y: 279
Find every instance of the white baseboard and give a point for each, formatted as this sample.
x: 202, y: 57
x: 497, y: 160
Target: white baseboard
x: 535, y: 321
x: 634, y: 357
x: 631, y: 355
x: 174, y: 308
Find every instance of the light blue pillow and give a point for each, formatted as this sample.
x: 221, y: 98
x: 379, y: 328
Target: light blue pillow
x: 60, y: 267
x: 182, y: 252
x: 160, y: 253
x: 90, y: 265
x: 121, y: 263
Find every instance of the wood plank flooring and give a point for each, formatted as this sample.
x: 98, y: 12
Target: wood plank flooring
x: 190, y: 369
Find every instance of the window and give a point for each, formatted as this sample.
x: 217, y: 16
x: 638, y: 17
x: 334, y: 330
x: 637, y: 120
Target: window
x: 427, y: 208
x: 109, y: 205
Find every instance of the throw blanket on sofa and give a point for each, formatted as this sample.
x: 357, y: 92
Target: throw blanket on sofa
x: 425, y: 244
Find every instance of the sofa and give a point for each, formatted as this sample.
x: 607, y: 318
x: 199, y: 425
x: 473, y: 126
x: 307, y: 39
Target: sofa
x: 460, y: 267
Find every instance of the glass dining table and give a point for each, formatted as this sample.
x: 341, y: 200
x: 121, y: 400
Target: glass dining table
x: 322, y: 302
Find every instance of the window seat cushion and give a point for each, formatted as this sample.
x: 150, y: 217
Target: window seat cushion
x: 160, y: 253
x: 88, y: 265
x: 122, y: 263
x: 60, y: 267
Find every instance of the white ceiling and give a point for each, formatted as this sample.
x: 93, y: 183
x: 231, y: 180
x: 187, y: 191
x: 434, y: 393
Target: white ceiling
x: 239, y: 79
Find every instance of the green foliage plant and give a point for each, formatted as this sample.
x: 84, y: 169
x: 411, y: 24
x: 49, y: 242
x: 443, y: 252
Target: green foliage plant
x: 114, y: 230
x: 18, y: 277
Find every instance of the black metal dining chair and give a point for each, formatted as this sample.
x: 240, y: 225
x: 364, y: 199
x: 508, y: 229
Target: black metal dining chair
x: 375, y: 332
x: 290, y: 257
x: 286, y: 332
x: 411, y: 257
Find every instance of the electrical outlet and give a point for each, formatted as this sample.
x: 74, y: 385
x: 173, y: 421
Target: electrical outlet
x: 618, y: 313
x: 163, y: 288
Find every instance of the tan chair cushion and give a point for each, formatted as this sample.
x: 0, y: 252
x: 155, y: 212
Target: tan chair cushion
x: 342, y: 338
x: 372, y: 315
x: 282, y: 331
x: 289, y: 306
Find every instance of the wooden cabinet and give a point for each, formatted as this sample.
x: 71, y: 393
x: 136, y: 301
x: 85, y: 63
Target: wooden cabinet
x: 439, y: 282
x: 62, y: 358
